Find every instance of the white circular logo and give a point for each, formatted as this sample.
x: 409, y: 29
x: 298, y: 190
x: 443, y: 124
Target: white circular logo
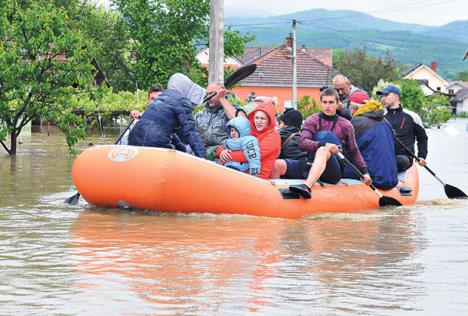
x: 122, y: 154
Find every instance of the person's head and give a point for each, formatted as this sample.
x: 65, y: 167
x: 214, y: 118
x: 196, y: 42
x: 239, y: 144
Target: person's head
x: 291, y: 117
x: 186, y: 88
x: 356, y: 100
x: 329, y: 101
x: 261, y: 120
x: 238, y: 127
x: 233, y: 133
x: 212, y: 88
x: 154, y: 92
x: 342, y: 85
x: 390, y: 96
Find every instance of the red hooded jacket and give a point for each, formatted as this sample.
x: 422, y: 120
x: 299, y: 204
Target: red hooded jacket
x: 269, y: 141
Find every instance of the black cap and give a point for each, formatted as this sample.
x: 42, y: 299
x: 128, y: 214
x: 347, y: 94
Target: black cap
x: 291, y: 117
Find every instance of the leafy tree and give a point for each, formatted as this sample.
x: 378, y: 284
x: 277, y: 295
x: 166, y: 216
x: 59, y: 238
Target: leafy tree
x: 462, y: 75
x: 42, y: 63
x: 307, y: 106
x: 163, y: 34
x: 365, y: 70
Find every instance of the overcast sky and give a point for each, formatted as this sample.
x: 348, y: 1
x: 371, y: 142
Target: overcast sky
x: 429, y: 12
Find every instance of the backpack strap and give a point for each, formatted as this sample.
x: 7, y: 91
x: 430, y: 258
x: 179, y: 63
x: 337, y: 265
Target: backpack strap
x: 288, y: 139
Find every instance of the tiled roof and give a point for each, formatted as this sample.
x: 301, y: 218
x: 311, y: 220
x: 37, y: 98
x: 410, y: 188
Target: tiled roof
x: 411, y: 69
x: 325, y: 55
x: 461, y: 95
x: 275, y: 69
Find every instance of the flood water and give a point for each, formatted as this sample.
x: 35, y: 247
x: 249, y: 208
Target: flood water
x: 57, y: 259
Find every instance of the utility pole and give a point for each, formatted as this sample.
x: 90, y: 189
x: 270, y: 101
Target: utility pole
x: 294, y: 66
x: 216, y: 42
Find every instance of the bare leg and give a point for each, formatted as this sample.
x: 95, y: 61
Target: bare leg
x: 279, y: 169
x: 318, y: 167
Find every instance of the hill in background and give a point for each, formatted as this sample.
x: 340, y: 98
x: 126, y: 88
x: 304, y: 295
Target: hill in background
x: 408, y: 43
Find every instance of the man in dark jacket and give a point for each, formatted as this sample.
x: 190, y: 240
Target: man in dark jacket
x: 407, y: 126
x: 170, y: 113
x: 374, y: 138
x: 292, y: 160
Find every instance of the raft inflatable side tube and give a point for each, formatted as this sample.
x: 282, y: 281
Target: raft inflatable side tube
x: 170, y: 181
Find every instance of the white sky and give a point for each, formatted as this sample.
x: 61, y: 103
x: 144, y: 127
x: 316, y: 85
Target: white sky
x: 428, y: 12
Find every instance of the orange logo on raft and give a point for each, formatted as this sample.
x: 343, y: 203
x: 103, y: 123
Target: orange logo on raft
x: 122, y: 154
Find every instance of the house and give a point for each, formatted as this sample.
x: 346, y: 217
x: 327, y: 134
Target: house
x: 203, y: 57
x: 456, y: 86
x: 273, y: 76
x: 429, y: 80
x: 460, y: 101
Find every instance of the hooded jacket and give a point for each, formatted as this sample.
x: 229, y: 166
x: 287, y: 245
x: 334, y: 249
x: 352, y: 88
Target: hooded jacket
x: 269, y: 141
x: 246, y: 142
x: 171, y: 113
x: 375, y: 141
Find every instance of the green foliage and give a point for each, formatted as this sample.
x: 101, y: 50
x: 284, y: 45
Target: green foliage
x: 462, y: 75
x: 307, y: 106
x: 365, y: 70
x: 161, y: 40
x: 433, y: 110
x: 462, y: 114
x: 42, y: 63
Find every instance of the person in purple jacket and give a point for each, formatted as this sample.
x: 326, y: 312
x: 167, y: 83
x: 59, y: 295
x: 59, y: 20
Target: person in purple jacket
x: 323, y: 135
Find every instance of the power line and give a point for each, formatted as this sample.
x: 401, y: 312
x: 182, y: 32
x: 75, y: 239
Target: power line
x: 407, y: 6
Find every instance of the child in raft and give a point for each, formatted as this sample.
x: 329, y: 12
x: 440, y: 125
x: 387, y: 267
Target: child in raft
x: 238, y: 129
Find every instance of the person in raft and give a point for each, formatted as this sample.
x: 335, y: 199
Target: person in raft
x: 171, y: 111
x: 241, y: 139
x: 262, y: 122
x: 374, y: 138
x: 323, y: 135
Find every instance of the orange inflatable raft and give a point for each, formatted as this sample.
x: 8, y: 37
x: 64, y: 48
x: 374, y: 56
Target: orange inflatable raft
x: 171, y: 181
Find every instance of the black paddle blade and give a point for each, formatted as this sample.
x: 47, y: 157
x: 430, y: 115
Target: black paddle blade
x: 239, y: 74
x: 73, y: 200
x: 453, y: 192
x: 388, y: 201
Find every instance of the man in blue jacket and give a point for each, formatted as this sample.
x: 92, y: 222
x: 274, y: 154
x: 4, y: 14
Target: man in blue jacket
x: 374, y: 139
x: 171, y: 113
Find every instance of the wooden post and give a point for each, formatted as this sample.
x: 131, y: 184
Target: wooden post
x: 216, y: 42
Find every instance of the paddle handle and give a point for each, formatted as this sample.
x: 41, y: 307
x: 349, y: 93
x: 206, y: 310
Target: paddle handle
x: 412, y: 154
x: 359, y: 173
x: 123, y: 133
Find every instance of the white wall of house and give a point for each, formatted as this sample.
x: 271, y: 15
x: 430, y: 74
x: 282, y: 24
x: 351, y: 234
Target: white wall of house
x: 462, y: 106
x: 434, y: 80
x: 203, y: 57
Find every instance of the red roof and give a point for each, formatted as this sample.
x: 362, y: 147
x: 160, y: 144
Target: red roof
x: 274, y: 68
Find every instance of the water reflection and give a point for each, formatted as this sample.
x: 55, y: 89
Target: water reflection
x: 200, y: 264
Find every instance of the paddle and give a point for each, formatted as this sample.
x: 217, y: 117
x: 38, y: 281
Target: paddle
x: 73, y: 200
x: 241, y: 73
x: 383, y: 200
x: 451, y: 191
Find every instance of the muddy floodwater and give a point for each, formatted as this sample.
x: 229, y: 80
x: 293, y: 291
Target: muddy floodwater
x: 57, y: 259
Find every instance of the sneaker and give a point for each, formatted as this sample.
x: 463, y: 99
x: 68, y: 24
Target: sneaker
x: 302, y: 189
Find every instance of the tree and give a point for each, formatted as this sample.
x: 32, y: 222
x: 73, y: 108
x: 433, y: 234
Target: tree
x: 364, y: 70
x: 163, y: 38
x: 43, y: 61
x: 462, y: 75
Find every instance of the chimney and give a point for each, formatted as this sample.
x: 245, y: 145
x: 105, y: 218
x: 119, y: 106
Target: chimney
x: 434, y: 66
x: 303, y: 48
x: 289, y: 41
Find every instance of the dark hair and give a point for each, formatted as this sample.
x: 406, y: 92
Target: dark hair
x: 155, y: 88
x: 330, y: 92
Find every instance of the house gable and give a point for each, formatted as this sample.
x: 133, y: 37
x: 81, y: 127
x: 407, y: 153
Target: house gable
x: 421, y: 72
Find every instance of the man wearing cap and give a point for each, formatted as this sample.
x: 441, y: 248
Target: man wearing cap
x: 344, y: 87
x: 407, y: 126
x: 374, y: 138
